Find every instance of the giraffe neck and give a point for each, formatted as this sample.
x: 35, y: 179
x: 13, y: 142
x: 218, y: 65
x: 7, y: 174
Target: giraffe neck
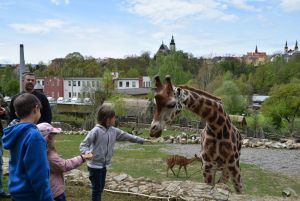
x: 205, y: 105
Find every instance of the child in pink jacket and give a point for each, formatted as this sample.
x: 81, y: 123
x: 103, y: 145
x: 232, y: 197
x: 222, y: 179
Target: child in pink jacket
x: 57, y: 164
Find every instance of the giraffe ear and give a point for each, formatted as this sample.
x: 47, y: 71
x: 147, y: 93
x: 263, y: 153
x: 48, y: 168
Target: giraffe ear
x: 178, y: 92
x: 168, y: 83
x: 158, y: 83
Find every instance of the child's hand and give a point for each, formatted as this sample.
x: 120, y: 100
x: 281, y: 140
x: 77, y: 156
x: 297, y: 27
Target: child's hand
x: 87, y: 156
x: 148, y: 141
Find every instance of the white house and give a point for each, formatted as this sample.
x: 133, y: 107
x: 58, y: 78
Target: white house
x: 146, y: 80
x: 131, y: 83
x: 81, y: 87
x: 127, y: 83
x: 133, y: 86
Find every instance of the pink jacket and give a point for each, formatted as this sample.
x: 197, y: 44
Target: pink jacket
x: 58, y: 166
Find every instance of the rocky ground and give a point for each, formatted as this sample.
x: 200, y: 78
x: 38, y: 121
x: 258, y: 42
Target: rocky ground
x: 277, y: 160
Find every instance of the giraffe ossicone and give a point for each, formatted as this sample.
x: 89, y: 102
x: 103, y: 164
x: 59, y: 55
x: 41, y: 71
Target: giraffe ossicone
x: 220, y: 139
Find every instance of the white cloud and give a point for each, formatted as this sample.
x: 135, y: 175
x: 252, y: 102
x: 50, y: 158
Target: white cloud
x: 241, y: 4
x: 290, y: 5
x: 42, y: 27
x: 169, y: 11
x: 57, y: 2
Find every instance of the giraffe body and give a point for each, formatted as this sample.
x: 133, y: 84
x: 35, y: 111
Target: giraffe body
x: 220, y: 139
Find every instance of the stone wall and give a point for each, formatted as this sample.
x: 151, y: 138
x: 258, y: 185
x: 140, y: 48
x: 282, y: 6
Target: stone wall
x: 183, y: 138
x: 167, y: 190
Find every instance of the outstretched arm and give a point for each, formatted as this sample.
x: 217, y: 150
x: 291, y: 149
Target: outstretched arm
x: 122, y: 135
x: 58, y: 164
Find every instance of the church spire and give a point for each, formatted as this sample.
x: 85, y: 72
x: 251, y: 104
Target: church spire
x: 296, y: 46
x: 172, y: 44
x: 286, y: 47
x: 256, y: 51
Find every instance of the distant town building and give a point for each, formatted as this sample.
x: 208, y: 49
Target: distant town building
x: 54, y: 87
x: 126, y: 83
x: 85, y: 87
x: 51, y: 86
x: 172, y: 44
x: 115, y: 75
x: 133, y: 86
x: 165, y: 49
x: 291, y: 53
x: 81, y: 87
x: 257, y: 100
x: 255, y: 57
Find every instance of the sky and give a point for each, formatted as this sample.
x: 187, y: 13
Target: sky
x: 52, y: 29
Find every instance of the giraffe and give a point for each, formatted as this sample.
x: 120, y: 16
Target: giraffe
x: 220, y: 139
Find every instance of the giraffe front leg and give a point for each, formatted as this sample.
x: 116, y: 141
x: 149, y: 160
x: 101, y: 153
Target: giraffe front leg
x: 224, y: 177
x: 235, y: 173
x: 209, y: 174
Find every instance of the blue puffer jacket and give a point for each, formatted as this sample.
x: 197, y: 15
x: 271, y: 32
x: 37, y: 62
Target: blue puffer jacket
x: 28, y: 165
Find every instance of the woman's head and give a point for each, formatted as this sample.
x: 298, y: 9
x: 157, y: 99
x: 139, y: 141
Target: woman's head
x: 106, y: 116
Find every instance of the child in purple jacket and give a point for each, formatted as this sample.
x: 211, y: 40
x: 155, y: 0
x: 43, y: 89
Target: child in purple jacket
x: 57, y: 164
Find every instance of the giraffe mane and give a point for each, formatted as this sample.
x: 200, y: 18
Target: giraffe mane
x: 201, y: 92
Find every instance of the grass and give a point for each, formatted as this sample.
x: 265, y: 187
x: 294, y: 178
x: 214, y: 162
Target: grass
x: 148, y: 161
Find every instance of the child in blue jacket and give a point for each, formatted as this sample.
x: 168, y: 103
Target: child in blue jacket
x: 28, y: 165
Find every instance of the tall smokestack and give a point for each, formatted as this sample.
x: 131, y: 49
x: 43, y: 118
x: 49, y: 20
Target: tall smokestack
x: 22, y: 65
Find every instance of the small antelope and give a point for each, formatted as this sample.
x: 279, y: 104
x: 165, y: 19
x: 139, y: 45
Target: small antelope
x: 181, y: 161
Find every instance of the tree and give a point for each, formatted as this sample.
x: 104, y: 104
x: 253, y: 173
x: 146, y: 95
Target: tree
x: 107, y: 83
x: 173, y: 64
x: 233, y: 101
x: 133, y: 72
x: 283, y: 104
x: 12, y: 87
x: 74, y: 55
x: 206, y: 74
x: 9, y: 82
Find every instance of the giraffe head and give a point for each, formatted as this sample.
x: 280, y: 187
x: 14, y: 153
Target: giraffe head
x: 168, y: 105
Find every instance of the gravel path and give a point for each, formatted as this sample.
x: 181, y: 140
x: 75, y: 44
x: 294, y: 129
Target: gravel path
x: 282, y: 161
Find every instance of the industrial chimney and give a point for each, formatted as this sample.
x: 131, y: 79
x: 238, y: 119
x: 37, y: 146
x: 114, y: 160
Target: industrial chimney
x: 22, y: 66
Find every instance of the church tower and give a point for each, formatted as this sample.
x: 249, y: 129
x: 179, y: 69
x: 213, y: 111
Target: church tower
x: 172, y: 44
x: 296, y: 46
x: 286, y: 47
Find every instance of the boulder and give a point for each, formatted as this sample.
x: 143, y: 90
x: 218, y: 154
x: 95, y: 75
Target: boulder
x: 120, y: 177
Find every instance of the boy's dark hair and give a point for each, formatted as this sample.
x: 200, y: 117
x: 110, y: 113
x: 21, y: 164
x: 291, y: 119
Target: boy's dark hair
x: 105, y: 112
x: 25, y: 103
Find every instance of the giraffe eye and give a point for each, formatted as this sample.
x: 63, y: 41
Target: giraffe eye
x: 171, y: 105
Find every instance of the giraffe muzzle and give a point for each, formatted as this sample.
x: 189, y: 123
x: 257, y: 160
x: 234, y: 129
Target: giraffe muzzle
x: 155, y: 130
